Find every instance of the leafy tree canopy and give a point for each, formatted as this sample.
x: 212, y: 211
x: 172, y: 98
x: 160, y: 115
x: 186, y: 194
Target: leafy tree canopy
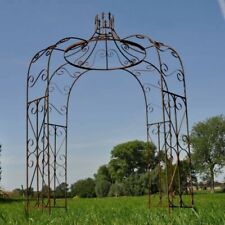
x: 131, y: 157
x: 61, y: 189
x: 83, y: 188
x: 102, y: 188
x: 103, y: 173
x: 208, y: 144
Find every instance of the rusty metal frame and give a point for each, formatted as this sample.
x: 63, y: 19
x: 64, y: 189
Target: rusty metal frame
x: 53, y: 73
x: 0, y: 164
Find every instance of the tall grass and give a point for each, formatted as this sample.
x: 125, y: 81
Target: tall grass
x: 119, y: 211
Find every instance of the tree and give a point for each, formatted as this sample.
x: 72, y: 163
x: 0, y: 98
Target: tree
x: 208, y: 144
x: 45, y: 191
x: 129, y: 158
x: 83, y: 188
x: 183, y: 176
x: 61, y: 190
x: 103, y: 173
x: 102, y: 188
x: 102, y: 181
x: 117, y: 189
x: 136, y: 184
x: 29, y: 191
x: 17, y: 193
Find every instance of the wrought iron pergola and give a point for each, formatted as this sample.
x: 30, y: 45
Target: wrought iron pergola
x: 52, y: 75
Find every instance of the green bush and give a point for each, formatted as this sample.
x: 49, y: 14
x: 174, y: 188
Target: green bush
x: 135, y: 184
x: 102, y: 188
x: 83, y: 188
x: 116, y: 190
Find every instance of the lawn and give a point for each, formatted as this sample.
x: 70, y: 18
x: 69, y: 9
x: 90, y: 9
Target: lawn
x: 122, y: 210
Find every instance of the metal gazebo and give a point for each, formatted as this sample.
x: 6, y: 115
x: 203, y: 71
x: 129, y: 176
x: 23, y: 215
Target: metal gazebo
x: 52, y: 75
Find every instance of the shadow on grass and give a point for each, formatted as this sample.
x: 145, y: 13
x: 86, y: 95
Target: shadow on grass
x: 10, y: 200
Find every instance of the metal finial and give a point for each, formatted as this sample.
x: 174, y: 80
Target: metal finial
x: 96, y: 22
x: 104, y: 20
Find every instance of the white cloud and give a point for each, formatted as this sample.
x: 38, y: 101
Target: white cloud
x: 222, y: 6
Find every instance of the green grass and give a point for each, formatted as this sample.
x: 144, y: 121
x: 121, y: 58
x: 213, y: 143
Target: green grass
x: 123, y: 211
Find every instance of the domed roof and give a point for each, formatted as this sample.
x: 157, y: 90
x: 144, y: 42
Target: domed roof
x: 105, y: 50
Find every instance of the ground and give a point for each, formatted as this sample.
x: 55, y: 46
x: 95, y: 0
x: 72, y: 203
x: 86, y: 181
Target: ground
x: 119, y: 211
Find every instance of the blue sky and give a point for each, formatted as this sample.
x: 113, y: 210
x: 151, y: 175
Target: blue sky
x: 107, y: 109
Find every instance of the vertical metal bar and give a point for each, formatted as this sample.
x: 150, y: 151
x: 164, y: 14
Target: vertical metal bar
x: 149, y: 171
x: 159, y: 165
x: 67, y: 113
x: 177, y: 151
x: 157, y: 46
x: 27, y: 150
x: 54, y: 166
x: 187, y: 130
x: 37, y: 151
x: 165, y: 145
x: 170, y: 161
x: 66, y: 168
x: 48, y: 159
x: 169, y: 152
x: 106, y: 52
x: 48, y: 134
x: 27, y: 137
x: 189, y: 149
x: 43, y: 164
x: 148, y: 146
x: 189, y: 157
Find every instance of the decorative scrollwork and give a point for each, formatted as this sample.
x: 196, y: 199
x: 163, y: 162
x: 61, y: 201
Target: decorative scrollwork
x: 62, y: 110
x: 31, y: 145
x: 38, y: 55
x: 36, y: 106
x: 59, y: 132
x: 154, y: 131
x: 64, y: 40
x: 62, y: 158
x: 34, y: 109
x: 53, y: 87
x: 64, y: 71
x: 85, y: 54
x: 140, y: 36
x: 49, y: 50
x: 51, y: 130
x: 174, y: 53
x: 186, y: 139
x: 150, y: 108
x: 147, y: 88
x: 179, y: 106
x: 32, y: 80
x: 166, y: 73
x: 126, y: 49
x: 180, y: 75
x: 148, y: 68
x: 30, y: 163
x: 178, y: 103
